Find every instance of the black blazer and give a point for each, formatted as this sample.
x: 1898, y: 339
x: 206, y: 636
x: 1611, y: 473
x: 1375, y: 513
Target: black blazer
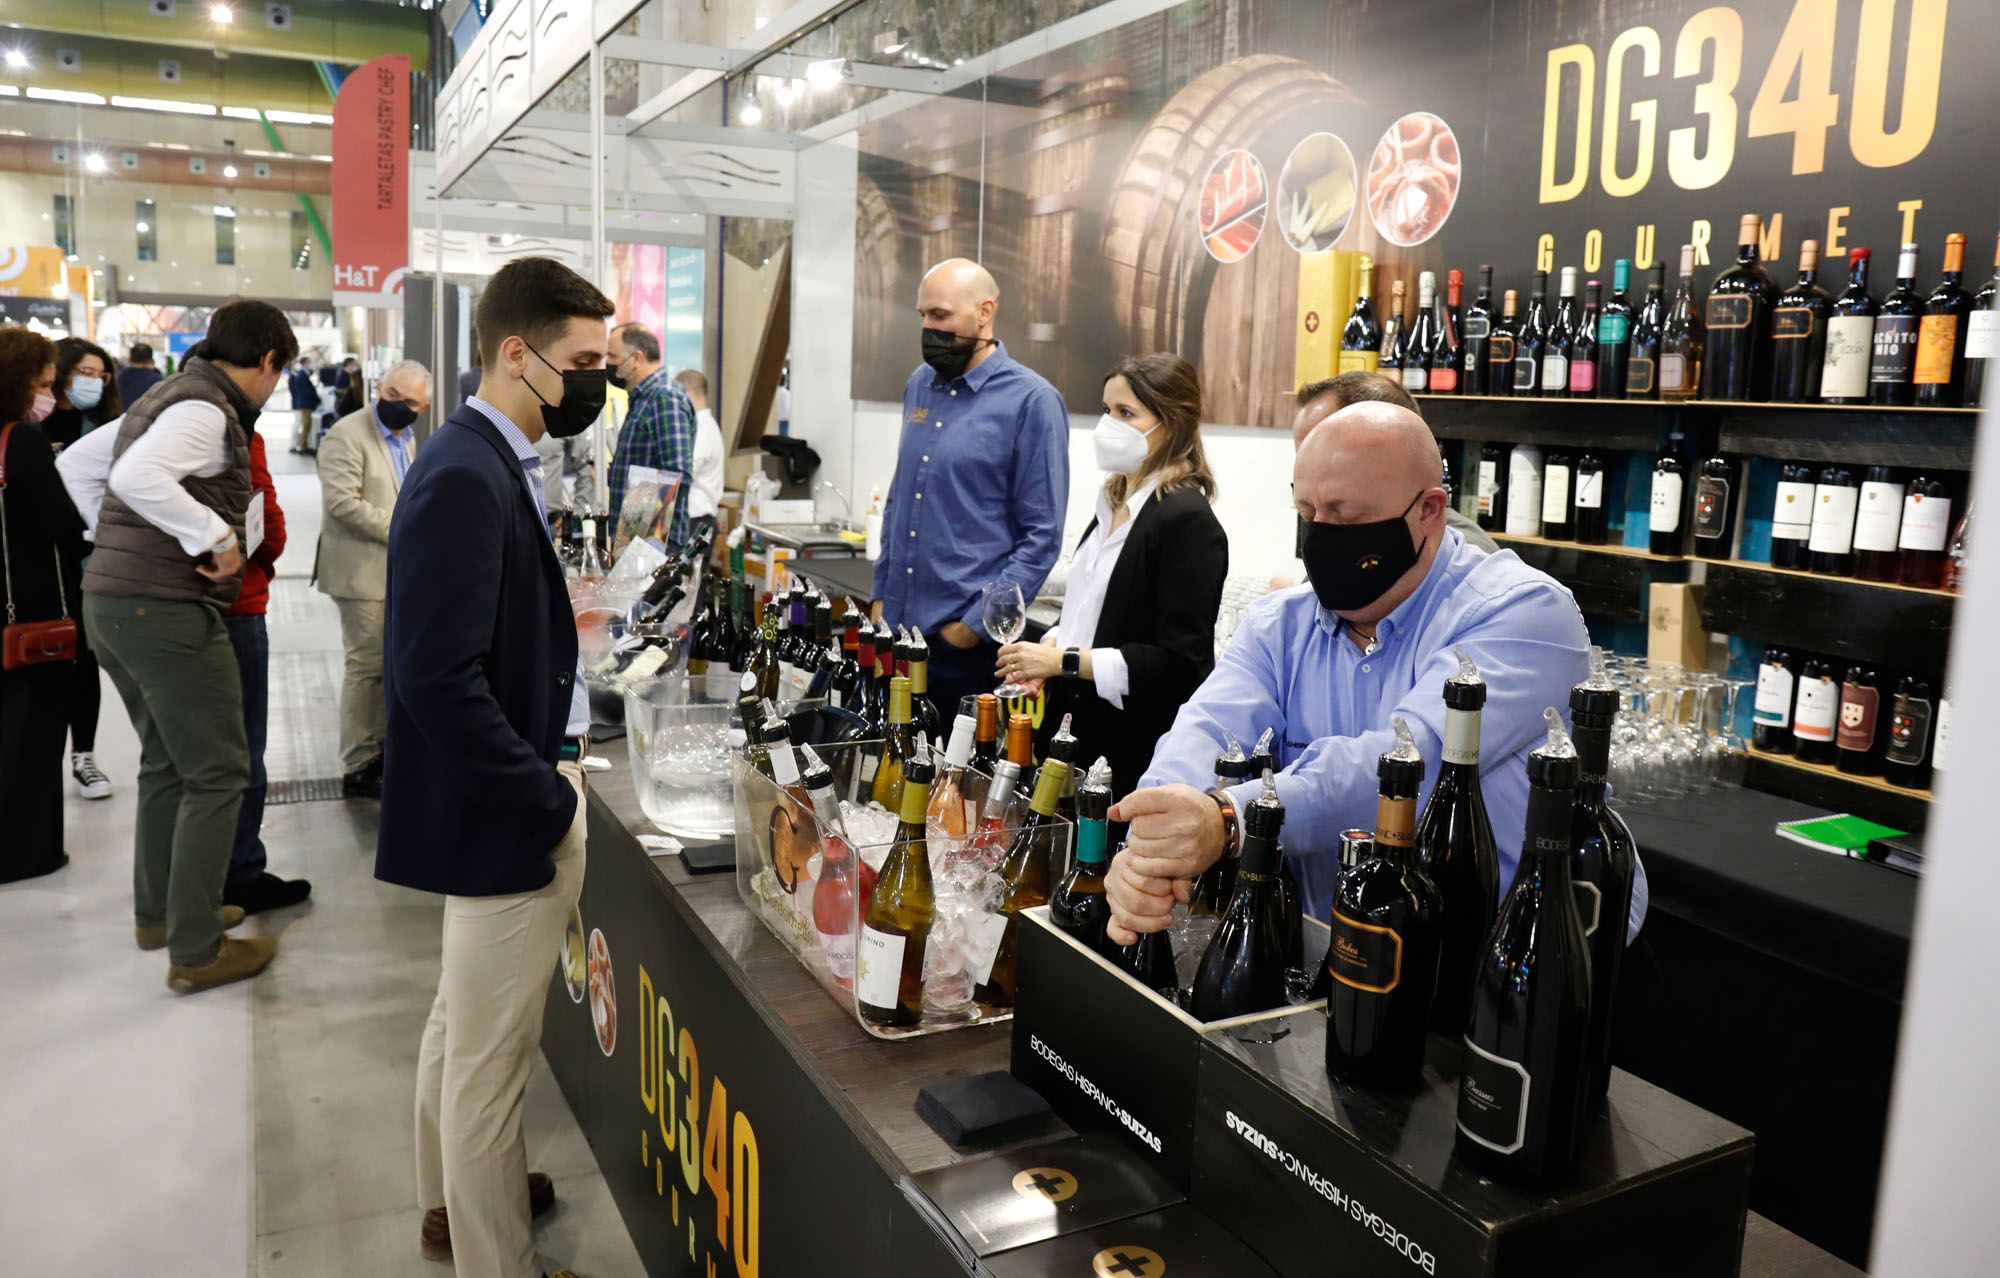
x: 1159, y: 611
x: 479, y: 662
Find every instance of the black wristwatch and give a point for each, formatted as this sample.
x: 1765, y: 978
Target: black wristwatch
x: 1072, y: 663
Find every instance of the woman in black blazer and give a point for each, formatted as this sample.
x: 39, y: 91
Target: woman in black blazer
x: 1137, y: 634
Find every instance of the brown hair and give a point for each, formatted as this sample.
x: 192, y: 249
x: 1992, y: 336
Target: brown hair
x: 1167, y: 386
x: 24, y: 353
x: 1360, y: 387
x: 534, y: 299
x: 69, y: 353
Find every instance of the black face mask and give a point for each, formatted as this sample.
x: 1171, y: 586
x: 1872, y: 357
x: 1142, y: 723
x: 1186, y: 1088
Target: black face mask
x: 395, y: 414
x: 615, y: 377
x: 582, y: 399
x: 948, y: 354
x: 1352, y: 565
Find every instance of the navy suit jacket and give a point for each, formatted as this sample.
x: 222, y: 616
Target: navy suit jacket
x: 479, y: 651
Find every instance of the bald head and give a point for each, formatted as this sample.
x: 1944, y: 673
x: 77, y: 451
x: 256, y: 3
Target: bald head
x: 958, y: 296
x: 1368, y: 462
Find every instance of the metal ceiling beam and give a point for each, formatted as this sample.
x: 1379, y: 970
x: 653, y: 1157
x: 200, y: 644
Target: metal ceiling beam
x: 673, y: 53
x: 780, y: 31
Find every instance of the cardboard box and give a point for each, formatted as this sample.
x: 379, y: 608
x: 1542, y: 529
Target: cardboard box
x: 1675, y: 634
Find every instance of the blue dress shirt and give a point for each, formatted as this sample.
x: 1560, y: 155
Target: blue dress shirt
x: 982, y: 480
x: 399, y: 444
x: 1291, y: 668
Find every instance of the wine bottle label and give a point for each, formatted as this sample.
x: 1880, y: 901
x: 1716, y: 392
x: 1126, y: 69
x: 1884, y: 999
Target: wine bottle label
x: 1415, y: 378
x: 1363, y: 956
x: 1729, y: 310
x: 1499, y: 351
x: 648, y: 663
x: 1461, y: 736
x: 1774, y: 696
x: 784, y: 766
x: 1589, y: 905
x: 1895, y: 349
x: 1359, y: 361
x: 1674, y: 374
x: 1982, y: 335
x: 839, y: 950
x: 1877, y: 518
x: 982, y: 945
x: 1792, y: 323
x: 1833, y: 519
x: 1926, y: 520
x: 1489, y: 485
x: 1555, y: 371
x: 871, y: 763
x: 1639, y: 376
x: 1711, y: 506
x: 878, y: 973
x: 1937, y: 343
x: 1477, y: 326
x: 1909, y: 730
x: 1582, y: 377
x: 1818, y: 706
x: 1555, y: 495
x: 1943, y: 735
x: 1524, y: 498
x: 1590, y: 490
x: 1493, y: 1100
x: 1849, y: 339
x: 1859, y: 708
x: 1444, y: 380
x: 1613, y: 328
x: 1792, y: 512
x: 1525, y: 368
x: 1395, y: 822
x: 1090, y: 842
x: 1666, y: 512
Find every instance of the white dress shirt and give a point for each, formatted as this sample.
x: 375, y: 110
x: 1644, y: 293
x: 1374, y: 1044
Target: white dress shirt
x: 1083, y: 599
x: 187, y: 440
x: 706, y: 494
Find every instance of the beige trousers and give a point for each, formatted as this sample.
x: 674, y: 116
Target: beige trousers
x: 364, y: 708
x: 472, y: 1070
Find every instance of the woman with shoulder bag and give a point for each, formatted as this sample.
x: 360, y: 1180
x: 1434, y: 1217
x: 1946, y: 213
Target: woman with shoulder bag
x: 41, y: 542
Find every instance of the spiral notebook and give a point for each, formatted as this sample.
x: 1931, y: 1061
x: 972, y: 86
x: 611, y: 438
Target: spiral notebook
x: 1842, y: 835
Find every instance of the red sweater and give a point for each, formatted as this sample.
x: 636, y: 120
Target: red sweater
x: 260, y: 567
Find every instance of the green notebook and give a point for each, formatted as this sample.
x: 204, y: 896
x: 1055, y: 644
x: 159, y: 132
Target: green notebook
x: 1843, y: 835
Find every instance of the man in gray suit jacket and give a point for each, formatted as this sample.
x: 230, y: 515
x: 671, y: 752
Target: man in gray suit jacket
x: 362, y: 461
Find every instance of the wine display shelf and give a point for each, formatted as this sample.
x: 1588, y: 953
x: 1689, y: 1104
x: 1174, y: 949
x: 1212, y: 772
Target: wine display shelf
x: 1897, y: 627
x: 1831, y: 773
x: 1755, y: 565
x: 1599, y: 548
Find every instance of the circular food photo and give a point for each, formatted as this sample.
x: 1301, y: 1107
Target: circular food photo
x: 1234, y: 201
x: 1413, y: 179
x: 1316, y: 193
x: 569, y: 960
x: 603, y: 995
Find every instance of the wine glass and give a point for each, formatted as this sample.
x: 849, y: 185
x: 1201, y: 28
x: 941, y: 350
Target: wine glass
x: 1006, y: 615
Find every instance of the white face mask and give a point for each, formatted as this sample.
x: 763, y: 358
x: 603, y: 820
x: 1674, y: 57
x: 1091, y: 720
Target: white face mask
x: 1121, y: 446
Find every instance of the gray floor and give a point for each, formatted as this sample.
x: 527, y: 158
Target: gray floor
x: 264, y: 1128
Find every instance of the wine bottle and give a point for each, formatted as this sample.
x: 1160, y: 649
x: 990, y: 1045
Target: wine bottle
x: 871, y: 706
x: 1217, y: 883
x: 1243, y: 969
x: 1792, y: 516
x: 764, y: 663
x: 1447, y: 352
x: 889, y: 972
x: 1715, y: 508
x: 1501, y: 345
x: 1424, y: 336
x: 699, y: 639
x: 1491, y: 511
x: 1878, y: 519
x: 1815, y: 712
x: 1606, y: 861
x: 1150, y: 961
x: 1524, y: 491
x: 898, y: 750
x: 1561, y: 338
x: 1290, y: 908
x: 1025, y: 877
x: 845, y: 884
x: 1361, y: 338
x: 1669, y: 498
x: 1590, y: 522
x: 1063, y: 746
x: 1926, y: 526
x: 1455, y: 845
x: 1614, y: 336
x: 1389, y: 927
x: 1906, y: 760
x: 1642, y: 367
x: 1079, y: 906
x: 1940, y: 368
x: 1835, y: 496
x: 1894, y: 359
x: 1798, y: 333
x: 1682, y: 337
x: 1858, y: 738
x: 986, y: 731
x: 793, y: 838
x: 949, y: 825
x: 988, y: 846
x: 924, y: 713
x: 1583, y: 351
x: 1955, y: 552
x: 1982, y: 337
x: 826, y: 657
x: 1522, y: 1096
x: 1738, y: 321
x: 1478, y: 333
x: 1021, y: 741
x: 1531, y: 344
x: 1771, y: 721
x: 1395, y: 336
x: 1850, y: 337
x: 1558, y: 520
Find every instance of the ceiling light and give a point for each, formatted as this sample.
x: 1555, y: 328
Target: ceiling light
x: 293, y: 117
x: 229, y: 170
x: 17, y: 59
x: 223, y: 210
x: 163, y: 104
x: 66, y: 95
x: 143, y: 227
x: 825, y: 73
x: 751, y: 114
x: 94, y: 163
x: 221, y: 14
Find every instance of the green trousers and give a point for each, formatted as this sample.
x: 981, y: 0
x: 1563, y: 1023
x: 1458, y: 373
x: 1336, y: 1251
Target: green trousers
x: 176, y: 672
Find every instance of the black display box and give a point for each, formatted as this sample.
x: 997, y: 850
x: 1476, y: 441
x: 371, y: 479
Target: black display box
x: 1322, y: 1177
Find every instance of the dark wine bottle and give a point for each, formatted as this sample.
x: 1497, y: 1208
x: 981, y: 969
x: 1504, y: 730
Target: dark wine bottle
x: 1361, y: 339
x: 1561, y: 340
x: 1150, y: 961
x: 1447, y: 351
x: 1858, y: 739
x: 1388, y: 928
x: 1583, y: 351
x: 1850, y: 337
x: 1079, y: 906
x: 1492, y: 486
x: 1682, y: 337
x: 1477, y: 331
x: 1218, y: 882
x: 924, y: 713
x: 1614, y: 336
x: 1815, y: 712
x: 1777, y: 684
x: 1606, y: 863
x: 1498, y: 361
x: 1667, y: 513
x: 1642, y: 366
x: 1424, y: 334
x: 1906, y: 761
x: 1590, y: 522
x: 985, y: 731
x: 1525, y: 1087
x: 1558, y: 478
x: 1835, y: 497
x: 1878, y: 519
x: 1982, y: 337
x: 1715, y: 508
x: 1025, y: 875
x: 1792, y: 516
x: 1738, y: 320
x: 889, y: 973
x: 1395, y: 336
x: 1243, y: 969
x: 1798, y: 333
x: 1940, y: 369
x: 1531, y: 344
x: 1894, y: 359
x: 1455, y: 846
x: 1926, y: 528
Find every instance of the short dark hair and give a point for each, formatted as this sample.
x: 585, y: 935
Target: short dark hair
x: 142, y: 353
x: 24, y: 353
x: 243, y: 331
x: 641, y: 339
x: 534, y: 298
x: 69, y: 353
x: 1357, y: 387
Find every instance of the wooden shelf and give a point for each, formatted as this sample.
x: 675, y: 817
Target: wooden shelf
x: 1606, y: 548
x: 1756, y: 566
x: 1835, y: 774
x: 1895, y: 627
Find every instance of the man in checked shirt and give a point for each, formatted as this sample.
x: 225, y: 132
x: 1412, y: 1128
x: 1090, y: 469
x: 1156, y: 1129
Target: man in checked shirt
x: 659, y: 429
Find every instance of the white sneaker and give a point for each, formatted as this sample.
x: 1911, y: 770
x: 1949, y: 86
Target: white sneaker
x: 91, y: 782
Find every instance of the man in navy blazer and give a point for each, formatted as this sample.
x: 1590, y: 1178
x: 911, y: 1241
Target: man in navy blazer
x: 482, y: 789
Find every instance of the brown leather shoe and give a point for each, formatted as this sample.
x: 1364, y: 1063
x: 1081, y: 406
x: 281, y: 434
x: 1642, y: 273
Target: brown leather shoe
x: 155, y: 938
x: 435, y: 1241
x: 238, y: 959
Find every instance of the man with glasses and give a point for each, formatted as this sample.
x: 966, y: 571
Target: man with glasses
x: 362, y: 462
x: 659, y: 429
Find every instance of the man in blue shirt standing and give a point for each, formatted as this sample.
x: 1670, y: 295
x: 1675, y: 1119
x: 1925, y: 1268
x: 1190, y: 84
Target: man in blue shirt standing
x: 1329, y: 664
x: 982, y: 478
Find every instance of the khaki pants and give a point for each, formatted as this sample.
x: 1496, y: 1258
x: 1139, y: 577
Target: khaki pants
x: 305, y: 439
x: 472, y: 1069
x: 364, y: 711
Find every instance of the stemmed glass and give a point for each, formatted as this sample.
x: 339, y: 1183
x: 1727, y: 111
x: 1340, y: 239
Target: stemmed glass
x: 1006, y: 615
